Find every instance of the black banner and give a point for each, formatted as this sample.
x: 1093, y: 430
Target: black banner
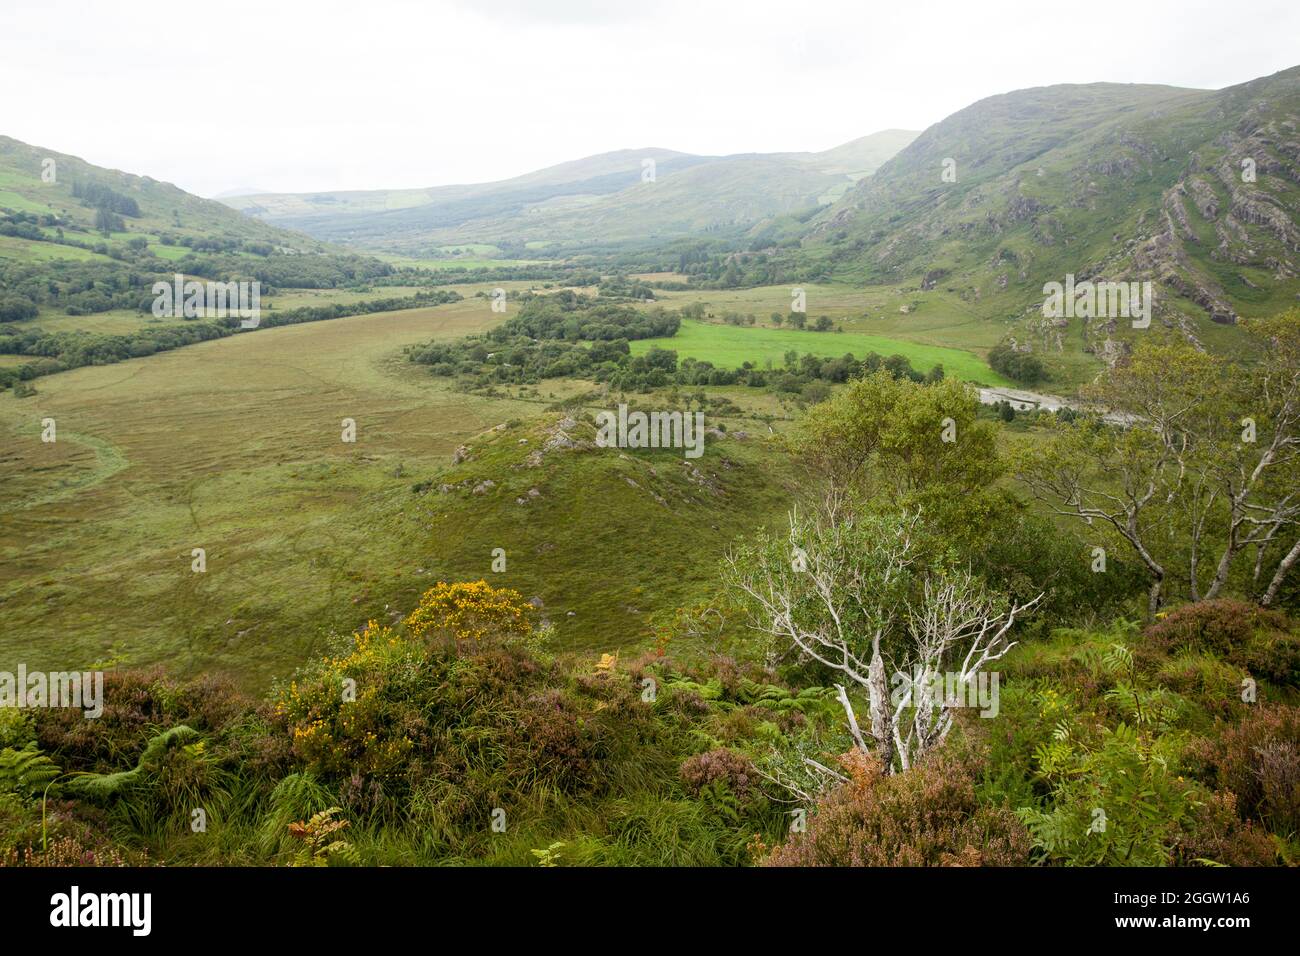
x: 220, y: 905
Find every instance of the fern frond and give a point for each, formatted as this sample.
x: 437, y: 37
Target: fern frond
x: 26, y: 771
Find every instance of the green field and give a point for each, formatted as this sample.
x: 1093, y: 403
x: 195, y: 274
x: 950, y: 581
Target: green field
x: 27, y: 250
x: 112, y: 322
x: 234, y: 446
x: 936, y: 317
x: 729, y: 346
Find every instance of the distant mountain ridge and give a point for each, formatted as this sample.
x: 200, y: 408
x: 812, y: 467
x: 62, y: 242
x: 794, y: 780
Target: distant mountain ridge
x: 636, y: 195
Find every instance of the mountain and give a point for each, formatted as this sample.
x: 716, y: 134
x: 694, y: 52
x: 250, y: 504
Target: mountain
x: 40, y: 182
x: 80, y: 240
x: 611, y: 198
x: 239, y: 191
x: 1105, y: 181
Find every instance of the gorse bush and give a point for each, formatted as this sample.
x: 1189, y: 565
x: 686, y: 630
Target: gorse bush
x: 341, y: 715
x: 470, y: 611
x: 450, y: 716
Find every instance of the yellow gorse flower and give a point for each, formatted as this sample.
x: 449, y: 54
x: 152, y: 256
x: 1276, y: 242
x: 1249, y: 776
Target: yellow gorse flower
x: 470, y: 610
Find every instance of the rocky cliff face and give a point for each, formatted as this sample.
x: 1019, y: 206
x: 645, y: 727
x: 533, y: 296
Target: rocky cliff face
x: 1195, y: 191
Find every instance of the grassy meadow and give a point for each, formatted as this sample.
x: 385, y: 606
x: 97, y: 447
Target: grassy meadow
x: 235, y: 446
x: 728, y: 346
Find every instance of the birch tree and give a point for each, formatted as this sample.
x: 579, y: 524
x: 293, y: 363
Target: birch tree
x: 852, y: 591
x: 1206, y: 468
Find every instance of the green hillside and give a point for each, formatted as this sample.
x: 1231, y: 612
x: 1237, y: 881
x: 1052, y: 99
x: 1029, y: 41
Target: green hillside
x: 1105, y: 181
x: 164, y: 211
x: 81, y: 248
x: 601, y: 200
x: 596, y: 518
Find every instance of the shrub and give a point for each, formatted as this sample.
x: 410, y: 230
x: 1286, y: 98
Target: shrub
x: 1258, y: 760
x: 1205, y: 680
x: 1215, y: 833
x: 396, y: 722
x: 727, y: 766
x: 1260, y: 641
x: 15, y: 729
x: 1217, y: 626
x: 928, y: 816
x: 469, y: 611
x: 136, y: 704
x: 1108, y: 791
x: 346, y: 715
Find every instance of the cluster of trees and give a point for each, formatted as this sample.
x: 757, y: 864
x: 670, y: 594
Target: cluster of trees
x: 26, y: 225
x: 256, y: 247
x: 1190, y: 476
x: 572, y: 317
x: 15, y: 308
x: 566, y: 335
x: 32, y: 227
x: 713, y: 268
x: 97, y: 196
x: 90, y: 287
x: 73, y: 286
x: 798, y: 320
x: 1195, y: 471
x: 577, y: 276
x: 622, y: 287
x: 287, y: 270
x: 1024, y: 367
x: 911, y: 558
x: 916, y: 567
x: 107, y: 221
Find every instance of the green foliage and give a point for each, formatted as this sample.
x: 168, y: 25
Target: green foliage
x: 1262, y: 642
x: 26, y: 772
x: 1021, y: 366
x: 15, y: 728
x: 107, y: 786
x: 1098, y: 745
x: 318, y: 846
x: 567, y: 335
x: 551, y: 855
x: 912, y: 446
x: 1113, y: 798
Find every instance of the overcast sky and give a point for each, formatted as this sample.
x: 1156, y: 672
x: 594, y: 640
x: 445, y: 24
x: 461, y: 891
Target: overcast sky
x: 392, y: 93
